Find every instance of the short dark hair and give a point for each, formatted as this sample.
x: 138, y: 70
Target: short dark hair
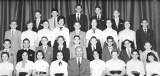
x: 93, y: 37
x: 24, y: 51
x: 40, y: 51
x: 61, y: 37
x: 26, y: 39
x: 77, y: 36
x: 45, y: 21
x: 13, y: 21
x: 7, y: 40
x: 151, y: 54
x: 77, y: 22
x: 98, y: 7
x: 78, y: 5
x: 135, y: 50
x: 110, y: 37
x: 61, y: 17
x: 5, y: 53
x: 37, y: 11
x: 114, y: 51
x: 54, y: 9
x: 44, y: 37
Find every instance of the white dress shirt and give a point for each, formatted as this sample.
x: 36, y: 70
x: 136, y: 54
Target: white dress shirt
x: 41, y: 65
x: 32, y: 36
x: 97, y: 67
x: 55, y: 68
x: 5, y: 68
x: 27, y: 68
x: 135, y: 65
x: 115, y: 64
x: 152, y: 68
x: 98, y: 34
x: 64, y: 32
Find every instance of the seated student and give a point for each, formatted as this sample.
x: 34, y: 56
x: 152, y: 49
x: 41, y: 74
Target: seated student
x: 115, y: 66
x: 134, y: 66
x: 93, y: 45
x: 6, y: 68
x: 40, y: 67
x: 59, y: 67
x: 78, y: 32
x: 125, y: 54
x: 60, y: 45
x: 143, y: 55
x: 109, y: 46
x: 25, y: 66
x: 153, y: 66
x: 94, y: 31
x: 44, y: 32
x: 7, y: 48
x: 47, y: 50
x: 97, y: 66
x: 61, y: 30
x: 76, y: 43
x: 31, y: 35
x: 31, y: 53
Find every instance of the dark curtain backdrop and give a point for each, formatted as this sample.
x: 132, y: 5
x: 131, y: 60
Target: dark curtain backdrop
x: 132, y: 10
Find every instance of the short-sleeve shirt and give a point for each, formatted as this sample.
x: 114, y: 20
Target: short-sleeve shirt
x: 40, y: 65
x: 27, y: 68
x: 5, y: 68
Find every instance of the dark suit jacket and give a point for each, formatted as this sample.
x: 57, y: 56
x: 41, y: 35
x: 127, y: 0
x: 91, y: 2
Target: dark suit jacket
x: 48, y: 55
x: 39, y: 26
x: 106, y: 54
x: 83, y: 21
x: 65, y: 51
x: 120, y: 25
x: 124, y: 56
x: 75, y: 70
x: 31, y: 55
x: 142, y: 37
x: 101, y: 24
x: 90, y: 52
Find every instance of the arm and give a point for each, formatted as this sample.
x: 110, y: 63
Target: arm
x: 87, y: 72
x: 123, y: 71
x: 108, y: 72
x: 86, y: 23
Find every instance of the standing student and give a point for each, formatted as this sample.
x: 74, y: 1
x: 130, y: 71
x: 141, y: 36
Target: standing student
x: 14, y: 35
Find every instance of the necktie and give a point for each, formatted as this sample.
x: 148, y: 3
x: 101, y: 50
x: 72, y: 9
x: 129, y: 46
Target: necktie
x: 37, y: 22
x: 145, y: 30
x: 61, y: 28
x: 129, y: 53
x: 78, y: 17
x: 12, y: 32
x: 79, y: 63
x: 60, y: 63
x: 94, y: 31
x: 54, y: 22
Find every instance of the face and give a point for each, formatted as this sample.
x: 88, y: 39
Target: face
x: 30, y: 26
x: 78, y: 9
x: 59, y: 56
x: 135, y: 55
x: 127, y: 44
x: 45, y: 25
x: 60, y: 41
x: 44, y: 41
x: 76, y: 40
x: 79, y: 52
x: 25, y: 56
x: 5, y: 57
x: 116, y: 13
x: 93, y: 41
x: 95, y: 55
x: 151, y: 58
x: 127, y: 25
x: 37, y: 15
x: 13, y: 25
x: 39, y: 55
x: 26, y: 44
x: 6, y: 44
x: 98, y: 11
x: 148, y: 46
x: 109, y: 42
x: 115, y: 55
x: 144, y: 23
x: 94, y: 23
x: 77, y: 26
x: 54, y: 13
x: 61, y: 22
x: 108, y: 23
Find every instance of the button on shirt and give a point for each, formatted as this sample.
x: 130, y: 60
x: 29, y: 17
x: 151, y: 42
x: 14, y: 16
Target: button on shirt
x: 98, y: 34
x: 97, y: 67
x: 135, y: 65
x: 5, y: 70
x: 59, y: 69
x: 27, y: 68
x: 41, y: 65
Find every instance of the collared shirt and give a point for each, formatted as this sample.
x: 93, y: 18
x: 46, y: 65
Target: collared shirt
x: 127, y: 34
x: 117, y: 21
x: 5, y: 68
x: 27, y: 68
x: 128, y: 50
x: 98, y: 34
x: 6, y: 50
x: 97, y: 67
x: 115, y: 64
x: 41, y: 65
x: 135, y: 65
x: 110, y: 49
x: 79, y: 59
x: 60, y: 47
x: 64, y: 32
x: 59, y: 69
x: 152, y: 68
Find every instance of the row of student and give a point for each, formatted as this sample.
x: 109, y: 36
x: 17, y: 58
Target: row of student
x: 79, y: 66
